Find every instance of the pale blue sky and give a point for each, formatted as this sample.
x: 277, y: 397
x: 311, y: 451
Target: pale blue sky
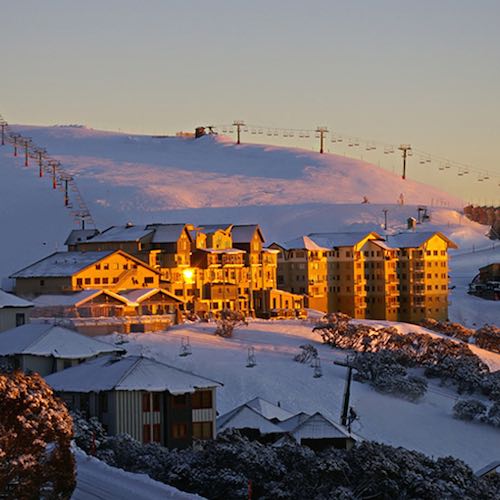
x: 425, y: 72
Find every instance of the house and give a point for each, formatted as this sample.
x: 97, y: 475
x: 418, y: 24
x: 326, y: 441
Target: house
x: 423, y: 275
x: 78, y: 270
x: 317, y: 432
x: 78, y: 236
x: 14, y: 311
x: 100, y: 312
x: 47, y: 348
x: 267, y: 422
x: 149, y: 400
x: 486, y: 284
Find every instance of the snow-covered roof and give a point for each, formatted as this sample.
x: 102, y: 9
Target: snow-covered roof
x: 131, y: 373
x: 416, y: 239
x: 122, y: 233
x: 303, y: 243
x: 166, y: 233
x: 268, y: 410
x: 488, y: 468
x: 141, y: 294
x: 383, y: 244
x: 211, y: 228
x: 245, y: 417
x: 10, y: 300
x: 318, y: 427
x: 80, y: 235
x: 331, y: 240
x: 293, y: 422
x: 75, y: 298
x: 243, y: 233
x: 41, y: 339
x: 61, y: 264
x: 222, y: 250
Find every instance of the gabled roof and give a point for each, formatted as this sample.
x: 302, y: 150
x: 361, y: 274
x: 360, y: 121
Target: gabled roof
x: 80, y: 235
x: 332, y: 240
x: 142, y: 294
x: 488, y: 468
x: 245, y: 417
x: 42, y: 339
x: 211, y: 228
x: 243, y: 233
x: 268, y: 410
x: 131, y: 373
x: 318, y: 427
x: 293, y: 422
x: 76, y: 299
x: 60, y: 264
x: 128, y: 232
x: 302, y: 243
x: 65, y: 264
x: 416, y: 239
x: 167, y: 233
x: 10, y: 300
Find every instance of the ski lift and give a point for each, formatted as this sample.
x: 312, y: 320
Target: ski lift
x: 339, y: 139
x: 318, y: 372
x: 307, y: 135
x: 486, y: 177
x: 356, y: 143
x: 428, y: 160
x: 251, y: 361
x: 460, y: 173
x: 291, y: 134
x: 269, y: 133
x: 285, y: 134
x: 253, y: 132
x: 224, y: 130
x: 185, y: 349
x: 261, y: 131
x: 276, y: 133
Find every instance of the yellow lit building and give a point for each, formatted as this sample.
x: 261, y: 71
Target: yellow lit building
x: 423, y: 275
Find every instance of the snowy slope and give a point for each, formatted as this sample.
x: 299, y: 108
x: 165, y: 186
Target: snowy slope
x: 144, y: 179
x: 95, y: 479
x: 427, y: 426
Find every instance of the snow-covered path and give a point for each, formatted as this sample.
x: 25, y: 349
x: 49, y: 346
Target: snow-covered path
x: 97, y: 480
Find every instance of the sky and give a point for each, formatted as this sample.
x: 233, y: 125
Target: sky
x: 425, y: 73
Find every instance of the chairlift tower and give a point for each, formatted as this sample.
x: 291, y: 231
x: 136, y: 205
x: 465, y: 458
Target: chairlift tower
x: 321, y: 131
x: 405, y: 148
x: 238, y: 124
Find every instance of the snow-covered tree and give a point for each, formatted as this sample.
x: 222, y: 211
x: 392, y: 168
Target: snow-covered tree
x: 469, y: 409
x: 35, y: 438
x: 228, y: 321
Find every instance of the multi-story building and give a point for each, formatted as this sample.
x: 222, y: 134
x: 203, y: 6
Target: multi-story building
x: 404, y: 278
x: 423, y: 275
x: 347, y: 285
x: 302, y: 265
x: 209, y: 267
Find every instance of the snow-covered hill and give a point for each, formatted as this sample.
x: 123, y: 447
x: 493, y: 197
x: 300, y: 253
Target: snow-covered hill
x: 427, y: 426
x: 209, y: 180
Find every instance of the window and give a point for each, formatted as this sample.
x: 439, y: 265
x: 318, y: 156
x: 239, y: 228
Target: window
x: 202, y: 430
x: 97, y: 281
x: 146, y: 433
x: 20, y: 319
x: 179, y: 401
x: 146, y: 402
x: 179, y: 431
x: 105, y: 266
x: 148, y: 279
x: 115, y: 280
x: 156, y: 401
x: 42, y: 282
x: 98, y: 266
x: 87, y: 281
x: 125, y: 266
x: 202, y: 399
x: 79, y: 282
x: 157, y: 433
x: 105, y: 281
